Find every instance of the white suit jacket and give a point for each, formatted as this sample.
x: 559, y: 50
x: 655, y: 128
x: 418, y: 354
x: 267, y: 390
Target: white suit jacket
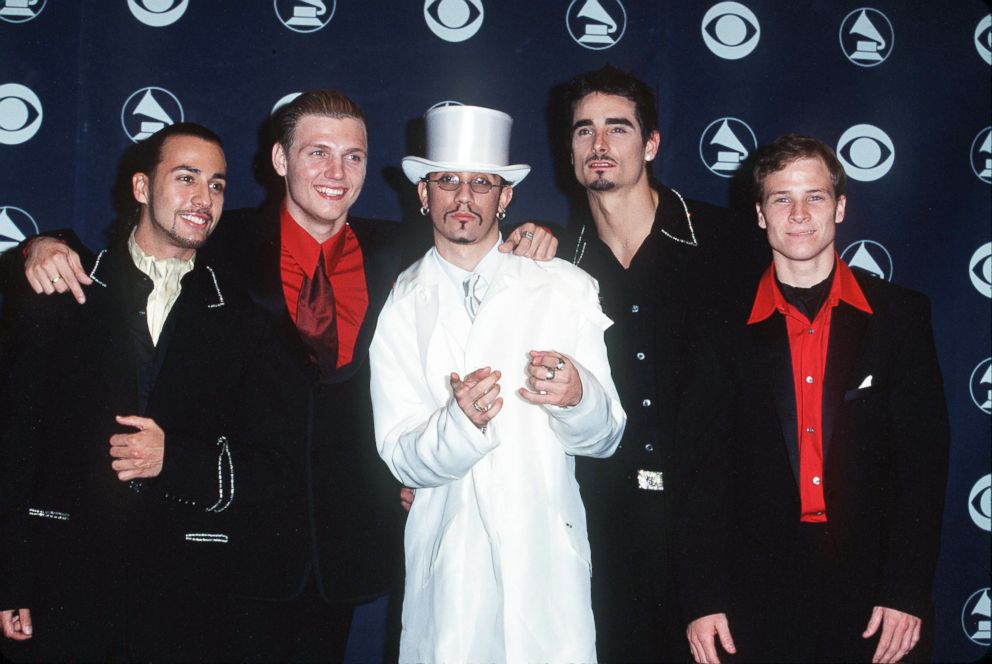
x: 497, y: 556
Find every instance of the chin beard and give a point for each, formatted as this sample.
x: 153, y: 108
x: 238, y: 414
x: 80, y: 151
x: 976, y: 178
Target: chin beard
x: 602, y: 185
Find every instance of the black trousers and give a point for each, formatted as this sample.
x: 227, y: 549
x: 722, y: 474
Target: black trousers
x: 304, y: 629
x: 811, y: 616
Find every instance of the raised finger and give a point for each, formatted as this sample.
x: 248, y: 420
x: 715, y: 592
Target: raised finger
x: 25, y: 618
x: 78, y: 271
x: 486, y: 399
x: 68, y: 274
x: 484, y: 386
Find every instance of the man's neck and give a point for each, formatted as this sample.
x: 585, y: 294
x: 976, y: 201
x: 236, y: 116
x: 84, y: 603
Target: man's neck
x: 320, y: 231
x: 465, y: 256
x: 804, y: 274
x: 144, y: 238
x: 624, y: 218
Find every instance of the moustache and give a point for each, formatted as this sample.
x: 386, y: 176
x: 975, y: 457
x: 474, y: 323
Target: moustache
x: 464, y: 208
x: 593, y: 158
x: 204, y: 212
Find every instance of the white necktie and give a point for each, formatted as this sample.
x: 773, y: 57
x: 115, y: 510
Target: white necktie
x: 472, y: 289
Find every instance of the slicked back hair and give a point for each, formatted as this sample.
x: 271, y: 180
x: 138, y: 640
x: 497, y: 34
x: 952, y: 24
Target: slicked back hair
x: 328, y: 103
x: 788, y: 148
x: 610, y: 80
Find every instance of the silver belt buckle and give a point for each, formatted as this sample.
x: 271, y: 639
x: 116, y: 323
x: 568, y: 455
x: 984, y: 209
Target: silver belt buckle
x: 650, y: 480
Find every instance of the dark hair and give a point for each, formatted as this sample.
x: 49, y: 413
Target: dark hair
x: 609, y: 80
x: 329, y: 103
x: 147, y: 154
x: 788, y: 148
x: 144, y: 157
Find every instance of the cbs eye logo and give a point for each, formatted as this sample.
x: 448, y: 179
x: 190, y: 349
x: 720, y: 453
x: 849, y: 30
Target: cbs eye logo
x: 980, y: 269
x: 866, y: 152
x: 454, y: 20
x: 983, y: 39
x: 158, y: 13
x: 20, y: 113
x: 730, y: 30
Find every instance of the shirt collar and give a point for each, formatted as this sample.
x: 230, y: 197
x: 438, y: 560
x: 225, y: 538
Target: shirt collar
x: 769, y: 298
x: 158, y: 269
x: 486, y: 268
x: 304, y: 249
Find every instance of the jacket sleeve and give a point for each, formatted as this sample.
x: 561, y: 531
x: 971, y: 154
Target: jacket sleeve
x: 27, y: 357
x: 595, y: 425
x: 423, y: 445
x: 704, y: 495
x: 920, y: 433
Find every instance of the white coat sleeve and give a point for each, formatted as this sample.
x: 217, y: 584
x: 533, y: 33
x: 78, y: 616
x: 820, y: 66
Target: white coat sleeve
x: 595, y: 425
x: 424, y: 445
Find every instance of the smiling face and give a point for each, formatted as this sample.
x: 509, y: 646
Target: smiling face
x: 609, y: 152
x: 181, y: 199
x: 800, y: 211
x: 463, y: 217
x: 324, y: 170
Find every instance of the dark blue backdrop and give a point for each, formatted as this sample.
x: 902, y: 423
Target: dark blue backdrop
x: 901, y: 88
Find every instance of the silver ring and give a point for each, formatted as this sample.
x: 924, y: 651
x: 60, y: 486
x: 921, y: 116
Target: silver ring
x: 550, y: 375
x: 57, y: 279
x: 478, y: 408
x: 561, y: 364
x: 529, y: 235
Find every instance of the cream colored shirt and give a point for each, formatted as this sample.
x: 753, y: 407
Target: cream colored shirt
x: 165, y: 274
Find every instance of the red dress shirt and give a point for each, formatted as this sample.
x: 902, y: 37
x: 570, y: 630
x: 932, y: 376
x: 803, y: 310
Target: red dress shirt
x: 808, y: 346
x: 345, y: 267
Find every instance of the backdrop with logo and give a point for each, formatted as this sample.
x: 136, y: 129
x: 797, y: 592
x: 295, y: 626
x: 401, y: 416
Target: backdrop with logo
x: 900, y: 88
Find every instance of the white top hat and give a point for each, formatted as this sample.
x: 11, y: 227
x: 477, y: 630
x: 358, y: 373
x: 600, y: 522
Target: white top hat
x: 468, y: 139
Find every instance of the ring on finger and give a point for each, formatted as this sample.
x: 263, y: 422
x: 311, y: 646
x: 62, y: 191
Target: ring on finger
x: 57, y: 279
x: 550, y: 374
x: 529, y: 235
x: 478, y: 408
x: 561, y: 364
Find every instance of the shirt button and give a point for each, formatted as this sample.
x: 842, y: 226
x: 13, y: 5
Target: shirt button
x: 640, y: 356
x: 809, y: 379
x: 810, y: 429
x: 811, y: 331
x: 649, y: 447
x: 819, y: 513
x: 634, y: 309
x: 646, y: 403
x: 817, y: 480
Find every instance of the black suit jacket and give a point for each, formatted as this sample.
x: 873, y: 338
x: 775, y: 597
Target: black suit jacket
x: 345, y: 523
x: 72, y: 534
x: 885, y: 458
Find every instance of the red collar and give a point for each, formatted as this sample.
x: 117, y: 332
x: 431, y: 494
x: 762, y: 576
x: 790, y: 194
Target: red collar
x: 304, y: 249
x: 769, y: 298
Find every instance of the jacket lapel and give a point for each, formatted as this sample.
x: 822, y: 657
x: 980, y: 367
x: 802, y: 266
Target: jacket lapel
x: 772, y: 343
x: 847, y: 329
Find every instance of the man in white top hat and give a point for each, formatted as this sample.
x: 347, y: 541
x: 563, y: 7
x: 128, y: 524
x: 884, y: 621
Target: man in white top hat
x: 489, y: 374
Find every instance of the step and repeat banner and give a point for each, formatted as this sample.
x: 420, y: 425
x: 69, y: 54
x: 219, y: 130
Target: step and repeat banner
x: 900, y: 88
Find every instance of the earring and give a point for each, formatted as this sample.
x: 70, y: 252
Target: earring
x: 501, y: 214
x: 424, y: 210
